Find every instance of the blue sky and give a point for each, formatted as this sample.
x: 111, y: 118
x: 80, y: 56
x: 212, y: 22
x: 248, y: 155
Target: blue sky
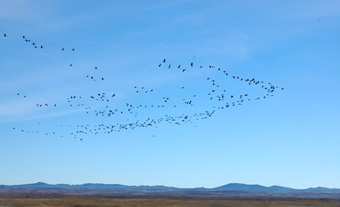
x: 291, y: 139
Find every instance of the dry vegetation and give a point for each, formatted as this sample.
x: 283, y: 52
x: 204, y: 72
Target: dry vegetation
x: 92, y: 201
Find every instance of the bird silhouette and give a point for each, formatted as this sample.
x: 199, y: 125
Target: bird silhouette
x: 105, y: 107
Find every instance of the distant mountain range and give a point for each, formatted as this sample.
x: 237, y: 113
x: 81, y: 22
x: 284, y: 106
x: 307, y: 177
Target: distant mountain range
x: 229, y: 190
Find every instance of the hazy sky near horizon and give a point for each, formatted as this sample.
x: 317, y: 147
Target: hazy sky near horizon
x: 291, y: 139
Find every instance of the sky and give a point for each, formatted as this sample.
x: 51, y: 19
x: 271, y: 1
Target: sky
x: 290, y: 139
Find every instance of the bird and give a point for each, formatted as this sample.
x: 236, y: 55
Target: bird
x: 132, y: 109
x: 62, y: 49
x: 5, y: 35
x: 72, y: 49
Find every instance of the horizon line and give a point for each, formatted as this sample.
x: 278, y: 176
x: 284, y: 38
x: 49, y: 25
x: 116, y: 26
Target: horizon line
x: 169, y: 186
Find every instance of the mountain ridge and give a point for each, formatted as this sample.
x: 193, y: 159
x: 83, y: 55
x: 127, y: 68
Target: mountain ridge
x: 229, y: 186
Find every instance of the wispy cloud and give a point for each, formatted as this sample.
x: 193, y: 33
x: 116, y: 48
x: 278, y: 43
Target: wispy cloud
x: 15, y: 9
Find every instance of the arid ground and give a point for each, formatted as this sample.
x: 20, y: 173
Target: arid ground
x: 92, y: 201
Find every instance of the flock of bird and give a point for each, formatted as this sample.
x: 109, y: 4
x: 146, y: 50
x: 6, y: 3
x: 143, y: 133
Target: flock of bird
x: 102, y: 105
